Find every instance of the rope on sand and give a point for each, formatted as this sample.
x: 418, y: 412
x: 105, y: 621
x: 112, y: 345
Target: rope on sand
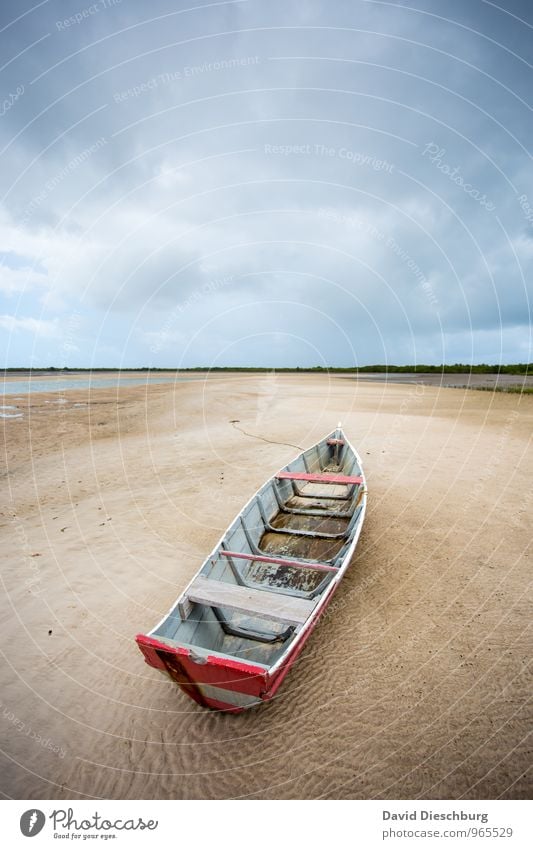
x: 234, y: 422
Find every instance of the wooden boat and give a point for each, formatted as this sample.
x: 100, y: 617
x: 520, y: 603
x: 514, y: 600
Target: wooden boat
x: 236, y: 630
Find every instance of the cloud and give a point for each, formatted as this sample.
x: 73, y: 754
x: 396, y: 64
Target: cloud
x: 16, y: 280
x: 34, y: 326
x: 291, y: 161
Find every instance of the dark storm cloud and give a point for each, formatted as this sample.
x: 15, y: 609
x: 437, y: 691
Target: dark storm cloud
x: 342, y: 182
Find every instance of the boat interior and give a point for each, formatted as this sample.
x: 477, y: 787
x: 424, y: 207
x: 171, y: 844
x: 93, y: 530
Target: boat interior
x: 261, y: 585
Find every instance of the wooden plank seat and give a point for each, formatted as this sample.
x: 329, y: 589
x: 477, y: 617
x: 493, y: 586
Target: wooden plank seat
x: 335, y: 441
x: 299, y: 532
x: 319, y: 510
x: 281, y: 561
x: 320, y: 514
x: 320, y: 478
x: 261, y: 603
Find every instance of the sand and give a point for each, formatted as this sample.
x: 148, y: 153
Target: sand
x: 414, y: 685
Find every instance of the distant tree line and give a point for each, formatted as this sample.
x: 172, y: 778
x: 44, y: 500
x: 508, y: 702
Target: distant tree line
x: 420, y: 368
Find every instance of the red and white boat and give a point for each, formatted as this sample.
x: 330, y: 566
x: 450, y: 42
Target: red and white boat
x: 234, y: 633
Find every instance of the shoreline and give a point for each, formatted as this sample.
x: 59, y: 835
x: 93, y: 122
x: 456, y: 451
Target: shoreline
x: 517, y: 384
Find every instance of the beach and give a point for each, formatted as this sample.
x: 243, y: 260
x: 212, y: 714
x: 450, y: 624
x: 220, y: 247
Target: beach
x: 415, y: 684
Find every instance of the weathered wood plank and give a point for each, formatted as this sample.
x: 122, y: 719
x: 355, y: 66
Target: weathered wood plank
x: 274, y: 606
x: 281, y: 561
x: 184, y: 608
x: 335, y: 479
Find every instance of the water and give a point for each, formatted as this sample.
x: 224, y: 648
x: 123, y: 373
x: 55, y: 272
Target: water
x: 62, y: 384
x: 4, y: 415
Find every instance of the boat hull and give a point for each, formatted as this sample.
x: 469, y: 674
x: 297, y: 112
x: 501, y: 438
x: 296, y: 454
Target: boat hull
x: 222, y: 684
x: 213, y: 682
x: 232, y: 637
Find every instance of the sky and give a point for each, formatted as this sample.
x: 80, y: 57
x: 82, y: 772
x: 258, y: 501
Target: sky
x: 250, y: 183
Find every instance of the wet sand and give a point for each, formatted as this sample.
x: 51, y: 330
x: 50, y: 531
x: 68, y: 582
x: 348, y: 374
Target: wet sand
x: 414, y: 685
x: 460, y: 380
